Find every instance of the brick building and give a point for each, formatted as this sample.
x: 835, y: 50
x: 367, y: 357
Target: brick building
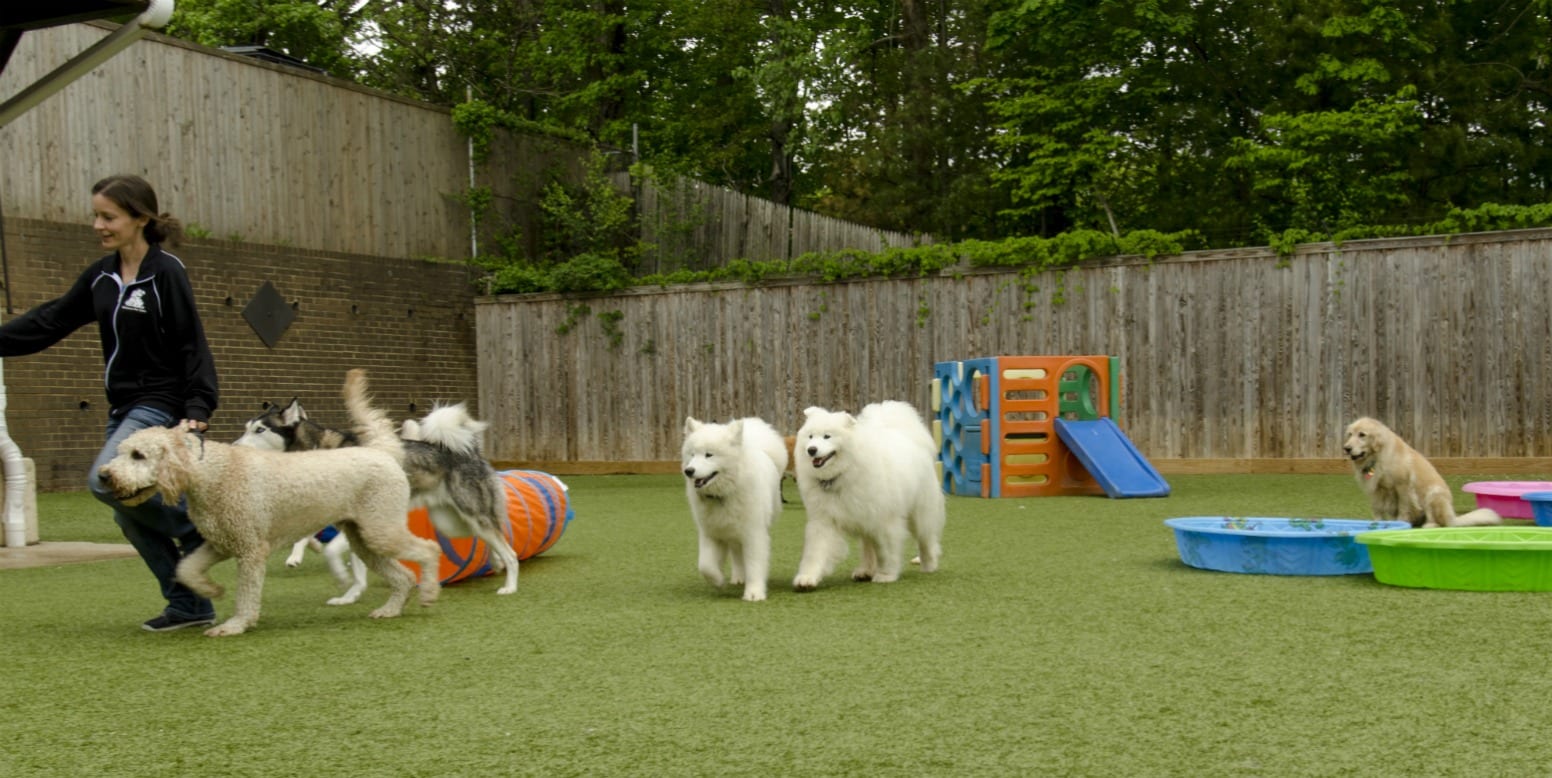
x: 409, y: 322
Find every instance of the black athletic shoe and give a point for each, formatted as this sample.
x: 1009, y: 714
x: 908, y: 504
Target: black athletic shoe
x: 166, y: 623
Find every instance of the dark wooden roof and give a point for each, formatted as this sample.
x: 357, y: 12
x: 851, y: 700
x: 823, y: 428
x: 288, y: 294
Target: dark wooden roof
x: 36, y: 15
x: 17, y: 17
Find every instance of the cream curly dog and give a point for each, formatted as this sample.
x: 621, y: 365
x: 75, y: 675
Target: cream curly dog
x: 1401, y: 483
x: 248, y: 502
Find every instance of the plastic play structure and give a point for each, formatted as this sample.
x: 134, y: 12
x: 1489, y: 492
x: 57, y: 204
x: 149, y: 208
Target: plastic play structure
x: 1036, y: 426
x: 538, y: 511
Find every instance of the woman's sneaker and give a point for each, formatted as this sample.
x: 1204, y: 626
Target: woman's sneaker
x: 168, y: 623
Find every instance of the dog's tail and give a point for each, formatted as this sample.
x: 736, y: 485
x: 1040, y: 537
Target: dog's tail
x: 451, y: 426
x: 1481, y: 517
x: 373, y: 427
x: 900, y: 416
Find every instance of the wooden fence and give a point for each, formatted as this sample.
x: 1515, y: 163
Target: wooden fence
x: 1230, y: 360
x: 697, y: 226
x: 242, y: 149
x: 249, y: 151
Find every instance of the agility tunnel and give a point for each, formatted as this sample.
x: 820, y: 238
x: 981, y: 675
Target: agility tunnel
x: 538, y: 511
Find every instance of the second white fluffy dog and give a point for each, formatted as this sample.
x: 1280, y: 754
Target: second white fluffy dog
x: 732, y: 477
x: 871, y: 477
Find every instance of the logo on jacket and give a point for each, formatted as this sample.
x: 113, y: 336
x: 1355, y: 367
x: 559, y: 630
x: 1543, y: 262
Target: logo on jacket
x: 135, y: 301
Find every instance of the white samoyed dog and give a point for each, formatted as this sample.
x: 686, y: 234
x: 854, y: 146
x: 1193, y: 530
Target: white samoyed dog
x: 732, y: 477
x: 872, y: 477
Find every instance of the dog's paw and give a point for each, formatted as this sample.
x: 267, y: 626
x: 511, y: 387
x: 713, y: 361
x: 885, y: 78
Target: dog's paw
x: 884, y: 578
x: 805, y: 583
x: 293, y: 561
x: 226, y: 629
x: 348, y: 598
x: 386, y: 612
x: 507, y: 589
x: 713, y: 576
x: 754, y: 595
x: 862, y: 574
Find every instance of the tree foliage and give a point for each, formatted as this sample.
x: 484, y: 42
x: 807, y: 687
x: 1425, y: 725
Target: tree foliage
x: 318, y: 32
x: 1238, y: 121
x: 1244, y: 119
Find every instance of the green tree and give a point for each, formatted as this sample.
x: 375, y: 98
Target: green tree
x: 1164, y: 115
x: 1327, y: 171
x: 900, y: 140
x: 318, y: 32
x: 857, y: 109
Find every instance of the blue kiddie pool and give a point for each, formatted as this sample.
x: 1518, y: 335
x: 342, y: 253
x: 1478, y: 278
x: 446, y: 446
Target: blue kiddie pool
x: 1275, y: 546
x: 1540, y: 507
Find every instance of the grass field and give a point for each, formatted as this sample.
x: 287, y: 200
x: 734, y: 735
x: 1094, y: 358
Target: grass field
x: 1062, y: 637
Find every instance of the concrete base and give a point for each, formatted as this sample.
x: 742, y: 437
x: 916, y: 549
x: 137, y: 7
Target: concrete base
x: 29, y: 501
x: 63, y: 553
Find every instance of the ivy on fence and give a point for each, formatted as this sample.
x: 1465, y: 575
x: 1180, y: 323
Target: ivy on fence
x: 591, y: 244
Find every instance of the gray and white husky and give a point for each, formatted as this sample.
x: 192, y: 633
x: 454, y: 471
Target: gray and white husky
x: 287, y: 428
x: 460, y: 490
x: 447, y: 471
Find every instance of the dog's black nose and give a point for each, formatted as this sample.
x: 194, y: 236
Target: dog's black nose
x: 689, y: 472
x: 813, y: 451
x: 1348, y: 449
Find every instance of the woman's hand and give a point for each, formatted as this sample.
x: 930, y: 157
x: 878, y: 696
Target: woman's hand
x: 193, y: 426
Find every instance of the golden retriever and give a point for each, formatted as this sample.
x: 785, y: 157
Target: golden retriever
x: 1401, y: 483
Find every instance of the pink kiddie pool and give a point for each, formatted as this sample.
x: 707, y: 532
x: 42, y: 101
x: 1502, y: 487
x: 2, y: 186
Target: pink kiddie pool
x: 1505, y: 497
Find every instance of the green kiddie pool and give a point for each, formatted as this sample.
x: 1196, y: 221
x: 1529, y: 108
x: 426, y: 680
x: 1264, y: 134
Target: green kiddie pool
x: 1478, y: 559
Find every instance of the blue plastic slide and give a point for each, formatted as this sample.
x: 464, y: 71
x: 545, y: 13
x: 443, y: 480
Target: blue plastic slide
x: 1109, y: 456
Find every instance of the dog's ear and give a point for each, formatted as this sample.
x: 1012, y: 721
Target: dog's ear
x: 1379, y: 435
x: 691, y: 425
x: 736, y: 432
x: 293, y: 414
x: 813, y: 410
x: 850, y: 420
x: 175, y: 456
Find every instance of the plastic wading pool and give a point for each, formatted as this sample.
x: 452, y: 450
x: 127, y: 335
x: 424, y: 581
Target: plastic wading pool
x: 1479, y: 559
x: 1506, y: 497
x: 1275, y: 546
x: 1540, y: 507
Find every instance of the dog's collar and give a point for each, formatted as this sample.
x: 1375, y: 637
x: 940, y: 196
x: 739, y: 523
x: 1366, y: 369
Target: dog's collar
x: 1368, y: 472
x: 825, y: 485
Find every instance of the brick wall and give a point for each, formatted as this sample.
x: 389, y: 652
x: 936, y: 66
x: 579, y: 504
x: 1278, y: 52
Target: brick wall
x: 409, y: 322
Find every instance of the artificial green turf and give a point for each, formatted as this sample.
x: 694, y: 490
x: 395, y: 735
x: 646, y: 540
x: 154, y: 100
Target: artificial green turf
x: 1062, y: 637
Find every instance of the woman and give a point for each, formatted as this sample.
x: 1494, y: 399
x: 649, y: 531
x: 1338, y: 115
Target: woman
x: 159, y: 371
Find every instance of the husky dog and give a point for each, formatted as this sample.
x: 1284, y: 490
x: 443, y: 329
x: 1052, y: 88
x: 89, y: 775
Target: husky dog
x: 870, y: 476
x: 287, y: 428
x: 732, y: 477
x: 247, y: 501
x: 458, y: 488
